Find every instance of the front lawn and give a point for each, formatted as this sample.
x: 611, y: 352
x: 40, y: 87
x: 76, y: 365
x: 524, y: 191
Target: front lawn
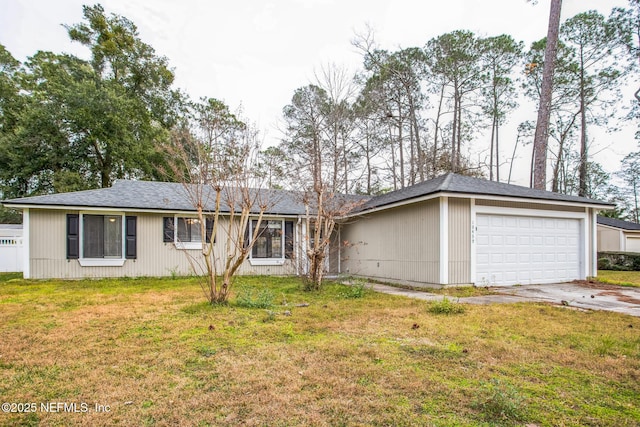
x: 154, y: 353
x: 623, y: 278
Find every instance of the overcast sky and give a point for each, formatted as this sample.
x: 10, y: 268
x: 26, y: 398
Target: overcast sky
x: 257, y: 52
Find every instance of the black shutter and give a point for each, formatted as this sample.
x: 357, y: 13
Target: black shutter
x: 131, y: 251
x: 209, y: 230
x: 167, y: 224
x: 247, y: 236
x: 73, y: 236
x: 288, y: 239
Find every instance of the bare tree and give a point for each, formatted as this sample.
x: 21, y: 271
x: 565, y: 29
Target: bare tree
x: 340, y: 122
x: 500, y: 55
x: 218, y: 175
x: 308, y: 143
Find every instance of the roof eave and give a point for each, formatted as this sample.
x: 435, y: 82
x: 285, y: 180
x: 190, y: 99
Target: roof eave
x: 124, y: 208
x: 449, y: 193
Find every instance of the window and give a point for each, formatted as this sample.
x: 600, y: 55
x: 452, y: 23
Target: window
x: 274, y: 242
x: 186, y: 232
x: 269, y: 241
x: 102, y: 236
x: 101, y: 239
x: 189, y: 230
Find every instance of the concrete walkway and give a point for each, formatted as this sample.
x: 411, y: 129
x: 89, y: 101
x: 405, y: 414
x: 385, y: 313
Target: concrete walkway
x: 584, y: 296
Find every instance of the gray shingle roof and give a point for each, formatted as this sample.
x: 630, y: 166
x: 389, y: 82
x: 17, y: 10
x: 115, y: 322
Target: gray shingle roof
x: 173, y: 196
x: 454, y: 183
x: 154, y: 196
x: 618, y: 223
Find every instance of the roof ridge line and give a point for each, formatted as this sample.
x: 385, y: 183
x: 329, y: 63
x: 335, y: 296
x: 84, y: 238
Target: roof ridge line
x: 447, y: 181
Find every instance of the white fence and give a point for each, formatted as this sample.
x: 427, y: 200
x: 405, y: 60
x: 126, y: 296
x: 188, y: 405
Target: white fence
x: 11, y: 254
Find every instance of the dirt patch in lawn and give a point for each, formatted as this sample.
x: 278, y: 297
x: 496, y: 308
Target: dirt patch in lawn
x: 621, y: 297
x: 592, y: 284
x: 609, y: 290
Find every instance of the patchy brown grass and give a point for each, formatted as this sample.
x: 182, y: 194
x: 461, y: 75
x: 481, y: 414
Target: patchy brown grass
x: 158, y: 355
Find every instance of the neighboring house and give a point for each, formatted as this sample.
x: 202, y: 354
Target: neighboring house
x: 616, y: 235
x: 450, y: 230
x: 11, y: 248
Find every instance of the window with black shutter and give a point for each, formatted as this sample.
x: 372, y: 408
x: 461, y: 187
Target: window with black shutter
x: 73, y: 236
x: 131, y: 225
x: 167, y: 229
x: 288, y: 239
x: 209, y: 230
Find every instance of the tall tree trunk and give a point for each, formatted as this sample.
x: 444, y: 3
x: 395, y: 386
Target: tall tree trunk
x: 635, y: 196
x: 412, y: 155
x: 336, y: 161
x: 459, y: 133
x: 555, y: 186
x: 435, y: 135
x: 345, y: 165
x: 544, y: 109
x: 419, y: 162
x: 582, y: 190
x: 368, y: 157
x: 454, y: 129
x: 555, y: 183
x: 497, y: 150
x: 493, y: 130
x: 393, y: 157
x: 401, y: 147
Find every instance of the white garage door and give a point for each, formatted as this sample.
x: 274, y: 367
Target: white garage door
x: 633, y: 244
x: 526, y: 250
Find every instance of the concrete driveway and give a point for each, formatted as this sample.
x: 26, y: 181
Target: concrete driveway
x: 583, y: 295
x: 590, y: 296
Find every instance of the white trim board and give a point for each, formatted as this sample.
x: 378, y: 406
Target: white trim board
x: 444, y: 240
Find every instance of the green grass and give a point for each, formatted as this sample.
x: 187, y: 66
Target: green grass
x: 157, y: 354
x: 623, y: 278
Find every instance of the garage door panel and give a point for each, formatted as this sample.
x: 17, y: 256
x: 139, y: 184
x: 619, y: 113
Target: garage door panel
x: 497, y: 221
x: 511, y: 258
x: 633, y: 244
x: 537, y: 257
x: 510, y: 276
x: 537, y: 240
x: 521, y: 249
x: 482, y: 240
x: 533, y: 274
x: 510, y: 222
x: 511, y: 240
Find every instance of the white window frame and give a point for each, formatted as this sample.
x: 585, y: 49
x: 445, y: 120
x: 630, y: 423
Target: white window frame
x: 188, y: 246
x: 268, y: 261
x: 101, y: 262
